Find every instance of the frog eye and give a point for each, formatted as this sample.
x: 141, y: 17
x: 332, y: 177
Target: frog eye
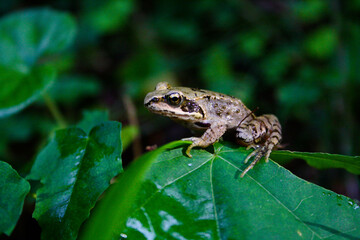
x: 174, y: 99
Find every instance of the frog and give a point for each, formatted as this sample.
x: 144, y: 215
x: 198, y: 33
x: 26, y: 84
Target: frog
x: 213, y: 114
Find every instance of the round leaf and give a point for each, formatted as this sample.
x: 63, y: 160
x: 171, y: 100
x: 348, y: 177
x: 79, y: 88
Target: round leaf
x: 25, y: 38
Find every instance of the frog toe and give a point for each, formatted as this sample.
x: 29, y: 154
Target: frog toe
x: 188, y: 151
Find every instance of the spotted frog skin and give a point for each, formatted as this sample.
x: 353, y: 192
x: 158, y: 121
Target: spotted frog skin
x: 214, y: 114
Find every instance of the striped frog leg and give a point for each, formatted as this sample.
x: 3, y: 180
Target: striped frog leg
x: 262, y: 133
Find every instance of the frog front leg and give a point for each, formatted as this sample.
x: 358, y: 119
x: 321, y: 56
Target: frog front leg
x: 262, y: 133
x: 210, y: 136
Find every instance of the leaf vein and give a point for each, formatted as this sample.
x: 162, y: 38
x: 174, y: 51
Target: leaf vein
x: 168, y: 184
x: 273, y: 196
x: 213, y: 200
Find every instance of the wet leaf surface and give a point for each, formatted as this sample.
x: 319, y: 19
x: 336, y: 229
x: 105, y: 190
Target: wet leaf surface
x: 205, y: 198
x: 74, y: 168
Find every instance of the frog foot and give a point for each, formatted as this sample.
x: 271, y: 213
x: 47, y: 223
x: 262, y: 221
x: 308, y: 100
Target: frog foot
x: 196, y: 142
x: 193, y: 140
x: 259, y: 152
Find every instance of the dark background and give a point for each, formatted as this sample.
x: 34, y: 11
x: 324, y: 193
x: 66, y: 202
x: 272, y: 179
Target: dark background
x: 299, y: 60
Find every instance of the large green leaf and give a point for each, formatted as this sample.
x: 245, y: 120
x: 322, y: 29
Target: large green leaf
x: 204, y: 198
x: 13, y: 190
x: 321, y: 160
x: 74, y: 168
x: 26, y: 37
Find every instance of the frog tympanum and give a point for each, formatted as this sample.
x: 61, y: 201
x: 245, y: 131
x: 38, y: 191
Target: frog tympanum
x: 214, y: 114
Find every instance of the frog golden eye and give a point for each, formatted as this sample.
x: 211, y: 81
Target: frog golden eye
x: 174, y: 99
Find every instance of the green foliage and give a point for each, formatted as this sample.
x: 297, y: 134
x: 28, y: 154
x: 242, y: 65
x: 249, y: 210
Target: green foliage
x: 13, y: 190
x: 138, y: 81
x: 217, y: 71
x: 276, y: 65
x: 310, y: 10
x: 111, y: 214
x: 26, y: 38
x: 321, y: 43
x: 74, y: 168
x: 71, y: 89
x: 322, y: 160
x: 109, y: 15
x: 297, y: 59
x: 252, y: 43
x: 92, y: 118
x: 167, y: 195
x: 128, y: 134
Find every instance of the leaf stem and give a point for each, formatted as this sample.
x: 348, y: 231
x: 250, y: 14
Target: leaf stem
x: 54, y: 110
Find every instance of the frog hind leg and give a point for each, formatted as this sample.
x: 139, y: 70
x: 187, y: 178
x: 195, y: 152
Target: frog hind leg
x: 210, y: 136
x: 262, y: 133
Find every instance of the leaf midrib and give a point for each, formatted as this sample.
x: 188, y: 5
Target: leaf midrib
x: 77, y: 173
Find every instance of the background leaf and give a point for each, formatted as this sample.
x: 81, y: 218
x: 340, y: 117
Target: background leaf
x: 26, y: 37
x: 74, y: 168
x: 108, y: 15
x: 91, y: 118
x: 204, y: 198
x: 321, y: 43
x: 321, y: 160
x: 72, y: 88
x: 13, y: 190
x: 128, y: 134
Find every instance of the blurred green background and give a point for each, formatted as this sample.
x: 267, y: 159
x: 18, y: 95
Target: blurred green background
x: 299, y: 60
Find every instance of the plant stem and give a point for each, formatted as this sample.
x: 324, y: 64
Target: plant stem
x: 54, y: 110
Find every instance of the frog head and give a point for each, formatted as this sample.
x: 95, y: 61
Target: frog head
x: 178, y: 103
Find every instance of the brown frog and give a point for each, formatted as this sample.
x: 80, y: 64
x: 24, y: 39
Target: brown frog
x: 215, y: 113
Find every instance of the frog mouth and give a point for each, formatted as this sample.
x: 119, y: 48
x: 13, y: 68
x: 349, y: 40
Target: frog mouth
x: 175, y: 113
x: 186, y: 110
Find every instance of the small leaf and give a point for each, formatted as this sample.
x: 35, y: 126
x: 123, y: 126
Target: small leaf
x: 13, y: 190
x: 321, y: 160
x: 25, y: 38
x: 74, y: 168
x: 310, y: 10
x: 252, y: 43
x: 110, y: 15
x: 91, y: 118
x: 167, y: 195
x: 128, y: 134
x: 322, y: 43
